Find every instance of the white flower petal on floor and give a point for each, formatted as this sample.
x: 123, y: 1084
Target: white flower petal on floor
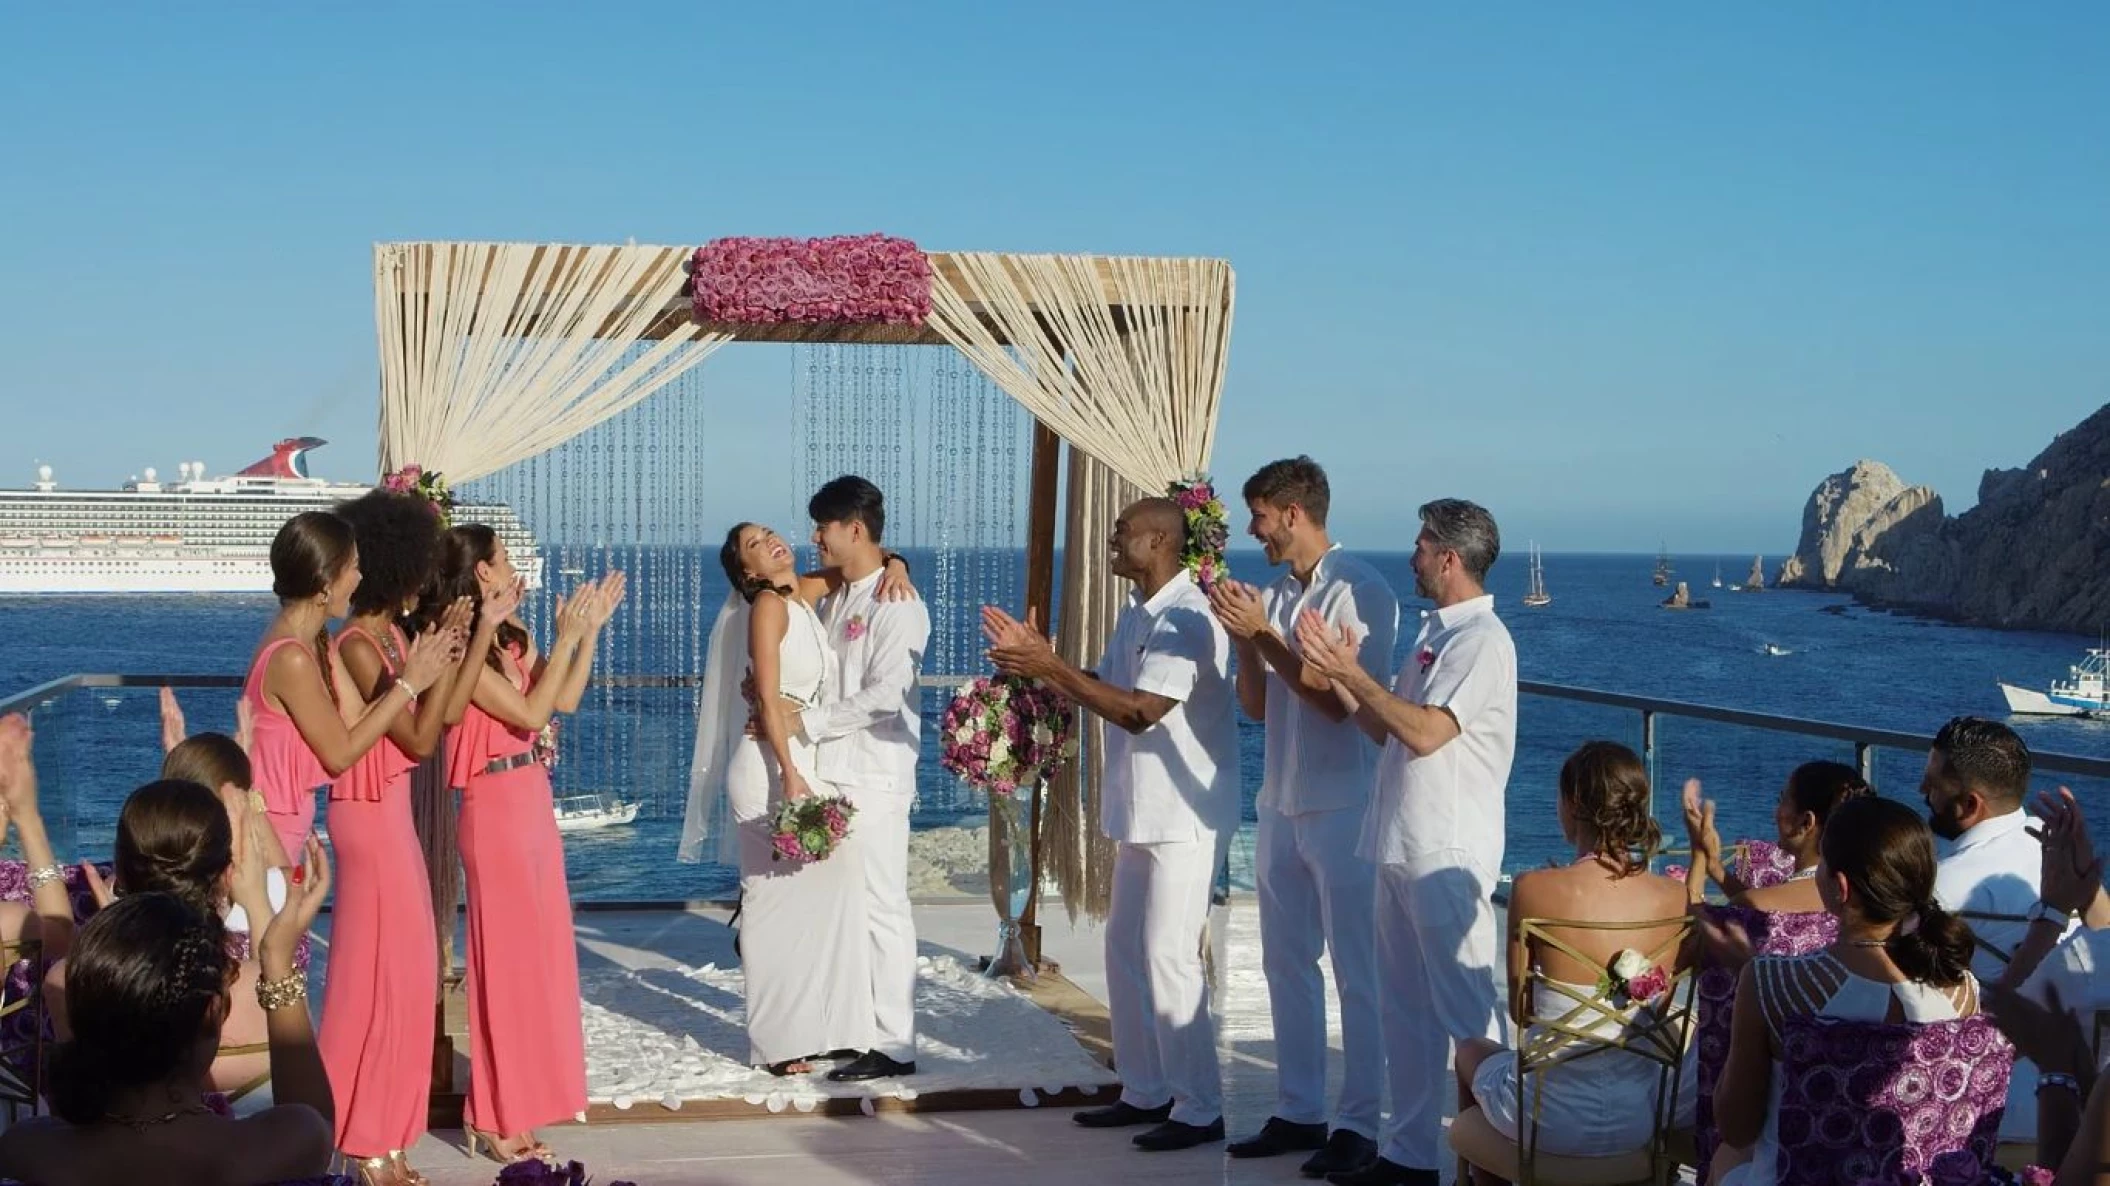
x: 674, y: 1034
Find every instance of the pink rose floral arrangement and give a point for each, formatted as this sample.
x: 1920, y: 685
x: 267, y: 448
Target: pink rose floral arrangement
x: 414, y: 480
x: 545, y: 750
x: 809, y: 829
x: 860, y: 279
x: 1427, y: 659
x: 1208, y: 529
x: 1633, y: 978
x: 854, y: 629
x: 1003, y: 733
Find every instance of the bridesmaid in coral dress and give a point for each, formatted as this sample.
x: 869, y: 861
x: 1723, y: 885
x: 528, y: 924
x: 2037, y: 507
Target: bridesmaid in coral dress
x: 381, y: 998
x: 302, y: 739
x: 527, y: 1053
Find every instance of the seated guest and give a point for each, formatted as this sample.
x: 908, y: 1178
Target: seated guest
x: 148, y: 992
x: 1605, y: 1104
x: 1975, y: 784
x: 175, y: 837
x: 1812, y: 791
x: 1900, y: 956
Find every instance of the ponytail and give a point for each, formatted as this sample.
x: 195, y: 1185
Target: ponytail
x: 1932, y: 946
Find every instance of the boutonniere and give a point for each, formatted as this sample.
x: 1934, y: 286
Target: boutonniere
x: 1427, y: 659
x: 855, y: 629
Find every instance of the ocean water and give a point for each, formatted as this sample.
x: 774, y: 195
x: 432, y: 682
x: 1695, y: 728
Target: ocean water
x: 1603, y: 631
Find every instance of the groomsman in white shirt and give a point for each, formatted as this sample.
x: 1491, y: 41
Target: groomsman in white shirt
x: 1169, y: 801
x: 867, y: 736
x: 1435, y: 826
x: 1316, y: 893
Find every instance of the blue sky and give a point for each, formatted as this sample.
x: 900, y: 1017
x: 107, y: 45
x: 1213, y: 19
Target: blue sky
x: 1622, y: 272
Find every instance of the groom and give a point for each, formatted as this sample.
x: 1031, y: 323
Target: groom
x: 868, y: 733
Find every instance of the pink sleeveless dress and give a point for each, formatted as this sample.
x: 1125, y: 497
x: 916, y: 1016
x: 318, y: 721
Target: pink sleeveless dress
x: 527, y: 1052
x: 380, y: 999
x: 284, y: 767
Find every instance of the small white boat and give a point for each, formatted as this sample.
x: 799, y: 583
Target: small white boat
x: 1776, y: 650
x: 2085, y: 690
x: 581, y: 813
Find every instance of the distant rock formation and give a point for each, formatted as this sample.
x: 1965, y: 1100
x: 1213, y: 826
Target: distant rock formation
x: 2033, y: 554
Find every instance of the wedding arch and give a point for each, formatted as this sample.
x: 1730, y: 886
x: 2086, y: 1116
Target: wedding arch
x: 492, y: 353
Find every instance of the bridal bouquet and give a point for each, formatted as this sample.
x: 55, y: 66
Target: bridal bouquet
x: 1003, y: 733
x: 807, y: 830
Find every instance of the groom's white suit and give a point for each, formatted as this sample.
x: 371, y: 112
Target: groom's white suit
x: 869, y: 731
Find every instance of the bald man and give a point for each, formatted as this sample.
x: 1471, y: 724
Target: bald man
x: 1169, y: 802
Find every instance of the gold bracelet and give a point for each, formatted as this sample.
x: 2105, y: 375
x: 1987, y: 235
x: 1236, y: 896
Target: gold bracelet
x: 277, y: 994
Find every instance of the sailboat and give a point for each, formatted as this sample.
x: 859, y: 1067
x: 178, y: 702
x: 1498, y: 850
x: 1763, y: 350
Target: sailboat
x: 1717, y: 574
x: 1757, y: 580
x: 1662, y: 576
x: 1536, y: 595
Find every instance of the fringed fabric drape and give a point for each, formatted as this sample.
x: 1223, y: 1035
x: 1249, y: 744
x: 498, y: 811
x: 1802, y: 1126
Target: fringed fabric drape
x: 1124, y: 358
x: 494, y: 352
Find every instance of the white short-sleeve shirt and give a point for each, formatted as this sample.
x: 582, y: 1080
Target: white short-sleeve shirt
x: 1449, y: 804
x: 1313, y: 763
x: 1178, y: 779
x: 1994, y: 868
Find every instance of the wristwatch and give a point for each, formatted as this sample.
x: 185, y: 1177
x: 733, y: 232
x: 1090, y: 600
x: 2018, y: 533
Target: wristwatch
x: 2046, y: 912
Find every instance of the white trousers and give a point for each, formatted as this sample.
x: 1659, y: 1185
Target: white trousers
x: 1317, y: 897
x: 1164, y: 1036
x: 880, y: 833
x: 1437, y: 952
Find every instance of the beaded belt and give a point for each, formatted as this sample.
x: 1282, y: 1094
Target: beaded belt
x: 501, y: 765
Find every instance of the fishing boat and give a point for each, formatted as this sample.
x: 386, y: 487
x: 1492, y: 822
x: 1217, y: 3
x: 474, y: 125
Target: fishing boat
x: 1663, y: 570
x: 1537, y: 596
x: 2084, y: 692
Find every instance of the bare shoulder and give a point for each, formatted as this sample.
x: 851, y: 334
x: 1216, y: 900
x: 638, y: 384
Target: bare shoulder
x: 285, y: 1141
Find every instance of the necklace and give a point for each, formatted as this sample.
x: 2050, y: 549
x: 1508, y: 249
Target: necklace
x: 1804, y: 874
x: 141, y: 1124
x: 1868, y: 942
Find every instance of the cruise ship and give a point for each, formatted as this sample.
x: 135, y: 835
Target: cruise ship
x: 193, y: 535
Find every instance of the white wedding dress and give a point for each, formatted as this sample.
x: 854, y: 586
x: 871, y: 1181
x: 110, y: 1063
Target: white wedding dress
x: 802, y: 934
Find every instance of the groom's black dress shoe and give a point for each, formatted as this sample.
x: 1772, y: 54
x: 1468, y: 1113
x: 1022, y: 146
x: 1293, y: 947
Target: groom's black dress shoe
x: 870, y: 1065
x: 1279, y: 1136
x: 1122, y: 1115
x: 1344, y: 1150
x: 1384, y: 1173
x: 1174, y: 1135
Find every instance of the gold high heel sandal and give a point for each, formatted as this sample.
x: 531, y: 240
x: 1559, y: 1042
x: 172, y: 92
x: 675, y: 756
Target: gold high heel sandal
x: 382, y: 1171
x: 492, y: 1144
x: 407, y: 1175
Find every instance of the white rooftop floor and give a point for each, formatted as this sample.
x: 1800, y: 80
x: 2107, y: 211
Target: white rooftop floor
x: 1019, y: 1147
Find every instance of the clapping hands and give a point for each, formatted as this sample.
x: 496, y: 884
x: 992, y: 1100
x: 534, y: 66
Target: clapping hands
x: 2072, y: 873
x: 1238, y: 606
x: 1328, y: 650
x: 1018, y: 648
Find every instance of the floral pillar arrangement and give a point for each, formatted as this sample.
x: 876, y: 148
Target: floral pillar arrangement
x: 1004, y: 735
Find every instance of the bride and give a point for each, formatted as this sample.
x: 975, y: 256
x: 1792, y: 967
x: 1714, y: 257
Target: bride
x: 802, y: 940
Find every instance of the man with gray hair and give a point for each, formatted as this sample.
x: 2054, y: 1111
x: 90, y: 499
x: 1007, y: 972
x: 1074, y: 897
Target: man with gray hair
x: 1448, y: 725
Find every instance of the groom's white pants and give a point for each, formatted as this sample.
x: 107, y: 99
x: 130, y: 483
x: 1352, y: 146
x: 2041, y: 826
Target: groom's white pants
x: 880, y: 832
x: 1164, y: 1036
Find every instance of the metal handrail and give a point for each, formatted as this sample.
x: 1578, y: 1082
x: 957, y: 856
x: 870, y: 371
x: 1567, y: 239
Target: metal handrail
x: 1866, y: 740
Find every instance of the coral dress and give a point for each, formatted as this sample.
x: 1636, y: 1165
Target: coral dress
x: 527, y: 1052
x: 286, y: 771
x: 381, y: 997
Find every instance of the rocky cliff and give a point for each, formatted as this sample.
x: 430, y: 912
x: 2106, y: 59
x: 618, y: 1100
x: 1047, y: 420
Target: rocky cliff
x: 2034, y: 553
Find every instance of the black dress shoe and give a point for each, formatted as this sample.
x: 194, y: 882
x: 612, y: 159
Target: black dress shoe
x: 1383, y: 1173
x: 1174, y: 1135
x: 870, y: 1065
x: 1280, y: 1136
x: 1344, y: 1151
x: 1122, y: 1115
